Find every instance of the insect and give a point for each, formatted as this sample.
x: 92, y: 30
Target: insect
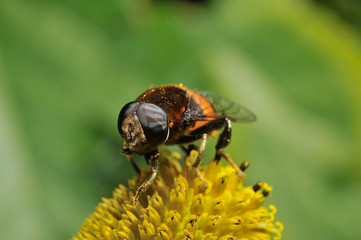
x: 173, y: 114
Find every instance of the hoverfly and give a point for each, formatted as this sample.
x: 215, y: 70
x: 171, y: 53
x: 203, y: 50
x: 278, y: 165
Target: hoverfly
x: 173, y: 114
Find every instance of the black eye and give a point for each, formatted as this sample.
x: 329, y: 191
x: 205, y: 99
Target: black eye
x: 154, y: 122
x: 126, y: 110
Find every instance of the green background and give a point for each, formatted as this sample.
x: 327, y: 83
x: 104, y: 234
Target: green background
x: 67, y: 68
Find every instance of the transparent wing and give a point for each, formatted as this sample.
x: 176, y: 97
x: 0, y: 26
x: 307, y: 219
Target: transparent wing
x: 226, y: 108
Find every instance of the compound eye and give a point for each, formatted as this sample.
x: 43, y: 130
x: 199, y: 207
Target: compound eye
x: 154, y: 122
x: 126, y: 110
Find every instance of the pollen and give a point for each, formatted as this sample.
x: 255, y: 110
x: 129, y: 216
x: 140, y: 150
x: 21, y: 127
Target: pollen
x: 178, y: 206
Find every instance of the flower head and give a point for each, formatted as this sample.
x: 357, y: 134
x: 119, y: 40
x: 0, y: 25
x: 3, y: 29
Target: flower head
x: 178, y: 206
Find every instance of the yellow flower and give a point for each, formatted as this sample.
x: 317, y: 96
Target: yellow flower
x: 178, y: 206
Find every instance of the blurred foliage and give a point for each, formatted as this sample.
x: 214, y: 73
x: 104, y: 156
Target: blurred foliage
x: 349, y: 10
x: 67, y: 68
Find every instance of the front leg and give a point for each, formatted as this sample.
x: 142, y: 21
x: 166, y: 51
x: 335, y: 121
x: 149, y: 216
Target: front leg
x: 152, y: 159
x: 126, y: 151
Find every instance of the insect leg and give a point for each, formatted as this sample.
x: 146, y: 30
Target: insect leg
x: 199, y: 159
x: 152, y: 158
x: 223, y: 141
x: 128, y: 153
x: 230, y: 161
x: 134, y: 165
x: 189, y: 149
